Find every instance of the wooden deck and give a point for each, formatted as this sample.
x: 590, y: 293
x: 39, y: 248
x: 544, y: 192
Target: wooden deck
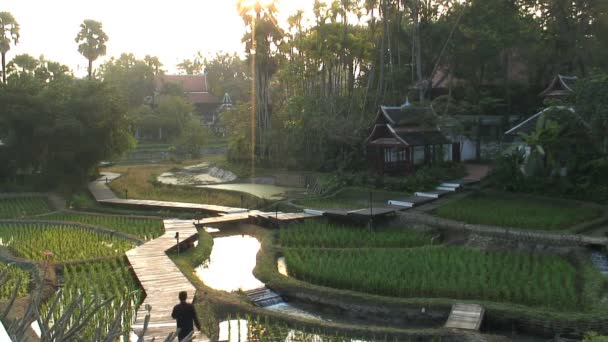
x: 465, y: 316
x: 161, y: 280
x: 103, y: 194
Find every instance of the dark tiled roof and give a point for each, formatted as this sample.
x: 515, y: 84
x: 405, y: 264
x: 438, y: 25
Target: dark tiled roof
x: 422, y: 138
x: 196, y: 98
x: 189, y: 83
x: 560, y: 86
x: 406, y: 115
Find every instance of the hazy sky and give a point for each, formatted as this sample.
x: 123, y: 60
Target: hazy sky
x: 172, y: 30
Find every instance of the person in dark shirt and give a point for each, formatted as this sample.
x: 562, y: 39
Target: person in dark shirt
x: 184, y: 314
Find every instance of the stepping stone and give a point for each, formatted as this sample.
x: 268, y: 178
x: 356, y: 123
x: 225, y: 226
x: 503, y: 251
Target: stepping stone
x: 459, y: 183
x: 433, y: 194
x: 409, y: 202
x: 465, y: 316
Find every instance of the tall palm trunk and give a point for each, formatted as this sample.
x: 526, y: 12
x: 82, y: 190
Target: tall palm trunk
x: 90, y: 69
x: 4, y: 68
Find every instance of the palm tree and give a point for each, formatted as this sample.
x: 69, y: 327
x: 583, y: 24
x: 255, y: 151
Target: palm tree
x: 92, y: 42
x: 9, y: 31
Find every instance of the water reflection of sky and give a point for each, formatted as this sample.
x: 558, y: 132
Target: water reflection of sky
x: 231, y: 264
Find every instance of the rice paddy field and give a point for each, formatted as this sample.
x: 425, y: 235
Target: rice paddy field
x: 324, y: 235
x: 143, y: 228
x: 9, y: 277
x: 66, y: 243
x: 405, y: 264
x: 18, y: 207
x: 110, y: 279
x: 520, y: 212
x: 351, y: 198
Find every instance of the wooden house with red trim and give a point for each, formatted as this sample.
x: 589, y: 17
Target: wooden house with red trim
x: 404, y: 138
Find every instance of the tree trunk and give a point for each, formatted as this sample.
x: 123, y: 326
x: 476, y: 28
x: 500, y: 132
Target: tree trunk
x: 4, y: 68
x: 90, y: 69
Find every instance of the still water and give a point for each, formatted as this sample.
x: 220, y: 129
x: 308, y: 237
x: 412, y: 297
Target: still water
x: 265, y: 191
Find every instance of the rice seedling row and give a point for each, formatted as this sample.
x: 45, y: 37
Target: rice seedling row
x: 18, y: 207
x: 98, y: 281
x: 12, y: 275
x: 144, y: 228
x: 517, y: 213
x: 318, y: 234
x: 66, y: 243
x: 438, y: 272
x: 263, y: 329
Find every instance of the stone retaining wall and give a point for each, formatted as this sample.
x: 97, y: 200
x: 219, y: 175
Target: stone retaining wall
x: 518, y: 234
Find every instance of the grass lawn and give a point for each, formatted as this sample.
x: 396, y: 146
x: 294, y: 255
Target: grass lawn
x: 352, y: 198
x: 140, y: 182
x: 517, y: 212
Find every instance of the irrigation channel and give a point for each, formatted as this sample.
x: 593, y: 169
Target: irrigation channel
x: 230, y: 268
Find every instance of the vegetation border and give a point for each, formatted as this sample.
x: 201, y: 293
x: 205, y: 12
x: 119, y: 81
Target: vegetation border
x: 531, y: 320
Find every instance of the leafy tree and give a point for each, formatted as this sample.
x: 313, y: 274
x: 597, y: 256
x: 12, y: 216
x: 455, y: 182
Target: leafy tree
x: 192, y: 67
x: 592, y: 106
x: 135, y: 78
x: 91, y: 42
x: 262, y: 43
x: 230, y: 74
x: 9, y: 32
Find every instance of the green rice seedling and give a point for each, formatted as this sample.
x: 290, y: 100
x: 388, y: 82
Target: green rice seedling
x: 326, y: 235
x: 106, y: 280
x: 66, y: 243
x: 12, y: 275
x: 527, y: 213
x: 19, y: 207
x: 438, y: 272
x: 143, y: 228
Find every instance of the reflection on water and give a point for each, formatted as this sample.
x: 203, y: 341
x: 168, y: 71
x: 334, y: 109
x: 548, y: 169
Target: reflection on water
x: 265, y: 191
x: 242, y: 331
x: 231, y: 264
x: 287, y: 309
x: 282, y: 266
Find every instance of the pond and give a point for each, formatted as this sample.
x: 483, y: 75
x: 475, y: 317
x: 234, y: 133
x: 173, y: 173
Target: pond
x: 266, y: 191
x: 231, y: 264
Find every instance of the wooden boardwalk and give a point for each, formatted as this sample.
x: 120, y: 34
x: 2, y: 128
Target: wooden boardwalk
x: 103, y: 194
x: 161, y: 280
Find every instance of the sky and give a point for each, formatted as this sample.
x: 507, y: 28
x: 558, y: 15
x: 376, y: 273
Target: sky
x: 171, y: 30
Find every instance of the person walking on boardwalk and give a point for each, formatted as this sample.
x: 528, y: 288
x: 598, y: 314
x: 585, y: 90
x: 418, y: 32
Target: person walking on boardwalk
x: 184, y: 314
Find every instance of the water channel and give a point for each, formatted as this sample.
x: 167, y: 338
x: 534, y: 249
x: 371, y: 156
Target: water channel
x: 230, y: 268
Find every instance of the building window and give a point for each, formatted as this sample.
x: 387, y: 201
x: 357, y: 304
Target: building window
x: 394, y: 154
x: 418, y: 155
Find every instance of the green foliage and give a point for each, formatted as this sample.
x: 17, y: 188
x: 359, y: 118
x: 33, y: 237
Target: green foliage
x: 325, y: 235
x: 110, y: 280
x: 91, y: 41
x: 12, y: 275
x: 19, y: 207
x: 594, y: 337
x: 442, y: 272
x: 61, y: 132
x: 144, y: 228
x: 199, y: 254
x: 193, y: 138
x: 66, y: 243
x: 516, y: 212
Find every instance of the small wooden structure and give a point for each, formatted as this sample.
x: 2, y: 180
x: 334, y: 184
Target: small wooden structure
x: 560, y: 87
x: 404, y: 138
x: 465, y: 316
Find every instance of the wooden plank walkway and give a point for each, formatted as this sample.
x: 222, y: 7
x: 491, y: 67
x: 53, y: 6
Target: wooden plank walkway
x: 465, y: 316
x: 103, y: 194
x: 161, y: 280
